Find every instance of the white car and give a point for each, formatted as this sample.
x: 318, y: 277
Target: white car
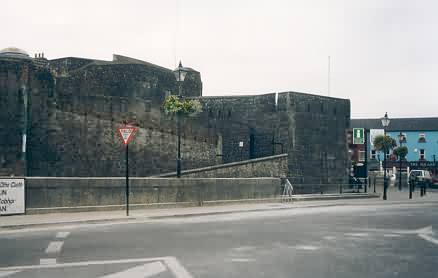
x: 420, y: 175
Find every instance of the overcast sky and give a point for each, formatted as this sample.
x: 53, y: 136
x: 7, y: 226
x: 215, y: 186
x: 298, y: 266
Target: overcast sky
x: 384, y: 53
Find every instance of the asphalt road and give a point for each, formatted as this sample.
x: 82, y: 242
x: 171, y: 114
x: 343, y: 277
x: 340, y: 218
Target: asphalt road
x: 336, y: 241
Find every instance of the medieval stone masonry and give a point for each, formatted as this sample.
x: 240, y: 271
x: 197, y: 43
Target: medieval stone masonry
x: 60, y: 118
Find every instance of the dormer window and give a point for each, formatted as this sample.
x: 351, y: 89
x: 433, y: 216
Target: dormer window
x: 422, y: 138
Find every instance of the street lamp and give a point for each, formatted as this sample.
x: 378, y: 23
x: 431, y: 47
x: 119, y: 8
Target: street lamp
x: 180, y: 74
x: 400, y: 140
x: 385, y: 123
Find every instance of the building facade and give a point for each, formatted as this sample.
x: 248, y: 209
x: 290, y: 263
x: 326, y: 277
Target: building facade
x: 419, y: 135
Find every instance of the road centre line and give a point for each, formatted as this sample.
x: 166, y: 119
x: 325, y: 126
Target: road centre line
x: 54, y: 247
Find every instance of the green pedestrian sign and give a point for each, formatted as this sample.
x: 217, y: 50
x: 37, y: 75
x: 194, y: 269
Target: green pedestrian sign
x: 358, y: 136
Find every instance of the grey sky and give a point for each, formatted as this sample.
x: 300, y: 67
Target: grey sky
x: 384, y: 53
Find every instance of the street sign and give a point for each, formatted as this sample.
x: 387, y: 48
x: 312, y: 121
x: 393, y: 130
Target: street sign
x: 127, y: 133
x: 358, y: 136
x: 12, y: 196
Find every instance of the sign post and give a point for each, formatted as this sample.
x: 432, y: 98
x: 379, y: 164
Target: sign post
x: 127, y: 133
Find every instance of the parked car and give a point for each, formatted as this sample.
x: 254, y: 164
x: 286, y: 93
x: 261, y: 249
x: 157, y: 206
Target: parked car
x: 434, y: 182
x: 420, y: 176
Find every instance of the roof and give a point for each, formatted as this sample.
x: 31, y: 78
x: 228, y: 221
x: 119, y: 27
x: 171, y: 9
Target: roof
x: 13, y: 52
x: 398, y: 124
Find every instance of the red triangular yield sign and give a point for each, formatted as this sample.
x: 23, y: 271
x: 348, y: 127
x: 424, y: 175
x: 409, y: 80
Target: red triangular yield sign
x: 127, y: 133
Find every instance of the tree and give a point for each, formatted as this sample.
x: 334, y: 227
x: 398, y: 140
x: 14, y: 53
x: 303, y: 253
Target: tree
x: 401, y: 152
x: 175, y: 106
x: 384, y: 143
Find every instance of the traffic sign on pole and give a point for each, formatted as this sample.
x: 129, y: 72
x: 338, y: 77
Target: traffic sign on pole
x: 358, y: 136
x: 127, y: 133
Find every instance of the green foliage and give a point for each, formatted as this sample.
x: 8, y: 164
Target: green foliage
x: 401, y: 152
x: 384, y: 143
x: 174, y: 105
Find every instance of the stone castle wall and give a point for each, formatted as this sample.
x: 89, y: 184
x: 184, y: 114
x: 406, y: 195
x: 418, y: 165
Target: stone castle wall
x: 75, y: 106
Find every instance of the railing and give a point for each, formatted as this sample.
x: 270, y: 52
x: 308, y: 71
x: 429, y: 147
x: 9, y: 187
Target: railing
x: 360, y: 186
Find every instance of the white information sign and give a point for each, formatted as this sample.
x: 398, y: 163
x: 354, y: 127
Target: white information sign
x: 11, y: 196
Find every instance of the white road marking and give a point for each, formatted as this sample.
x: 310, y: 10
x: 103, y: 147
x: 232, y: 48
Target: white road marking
x: 429, y: 238
x: 391, y: 235
x: 143, y: 271
x: 357, y: 234
x: 425, y: 230
x: 7, y: 273
x: 329, y: 237
x: 307, y: 247
x: 242, y: 260
x: 176, y: 268
x: 425, y: 233
x: 243, y: 248
x: 62, y: 234
x: 47, y: 261
x: 54, y: 247
x: 171, y: 262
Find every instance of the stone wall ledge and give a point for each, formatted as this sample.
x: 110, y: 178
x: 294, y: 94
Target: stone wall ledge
x: 226, y: 165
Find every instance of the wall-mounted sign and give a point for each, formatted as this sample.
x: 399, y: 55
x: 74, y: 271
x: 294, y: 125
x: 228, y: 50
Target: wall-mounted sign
x: 358, y: 136
x: 12, y: 196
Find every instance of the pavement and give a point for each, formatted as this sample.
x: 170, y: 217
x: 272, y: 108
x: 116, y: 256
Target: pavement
x: 337, y: 238
x: 298, y: 201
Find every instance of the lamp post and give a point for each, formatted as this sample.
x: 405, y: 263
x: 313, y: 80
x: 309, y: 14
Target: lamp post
x: 385, y: 123
x: 400, y: 140
x: 180, y: 74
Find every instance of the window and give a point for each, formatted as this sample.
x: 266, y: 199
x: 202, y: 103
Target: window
x: 403, y: 138
x: 422, y: 138
x: 373, y: 154
x: 361, y: 156
x: 422, y: 154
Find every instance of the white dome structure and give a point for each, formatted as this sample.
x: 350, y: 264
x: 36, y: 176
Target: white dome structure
x: 13, y: 52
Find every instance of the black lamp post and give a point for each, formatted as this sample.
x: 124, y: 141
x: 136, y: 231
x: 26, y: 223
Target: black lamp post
x: 385, y: 123
x: 400, y: 140
x: 180, y: 74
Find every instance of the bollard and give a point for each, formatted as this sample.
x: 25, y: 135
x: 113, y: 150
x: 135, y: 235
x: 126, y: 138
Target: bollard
x: 374, y: 184
x: 340, y: 189
x: 410, y: 190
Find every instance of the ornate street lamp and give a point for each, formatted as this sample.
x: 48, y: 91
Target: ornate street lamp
x: 180, y: 74
x: 400, y: 140
x: 385, y: 123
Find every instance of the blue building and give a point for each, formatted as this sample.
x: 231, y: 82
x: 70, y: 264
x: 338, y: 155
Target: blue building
x: 420, y: 135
